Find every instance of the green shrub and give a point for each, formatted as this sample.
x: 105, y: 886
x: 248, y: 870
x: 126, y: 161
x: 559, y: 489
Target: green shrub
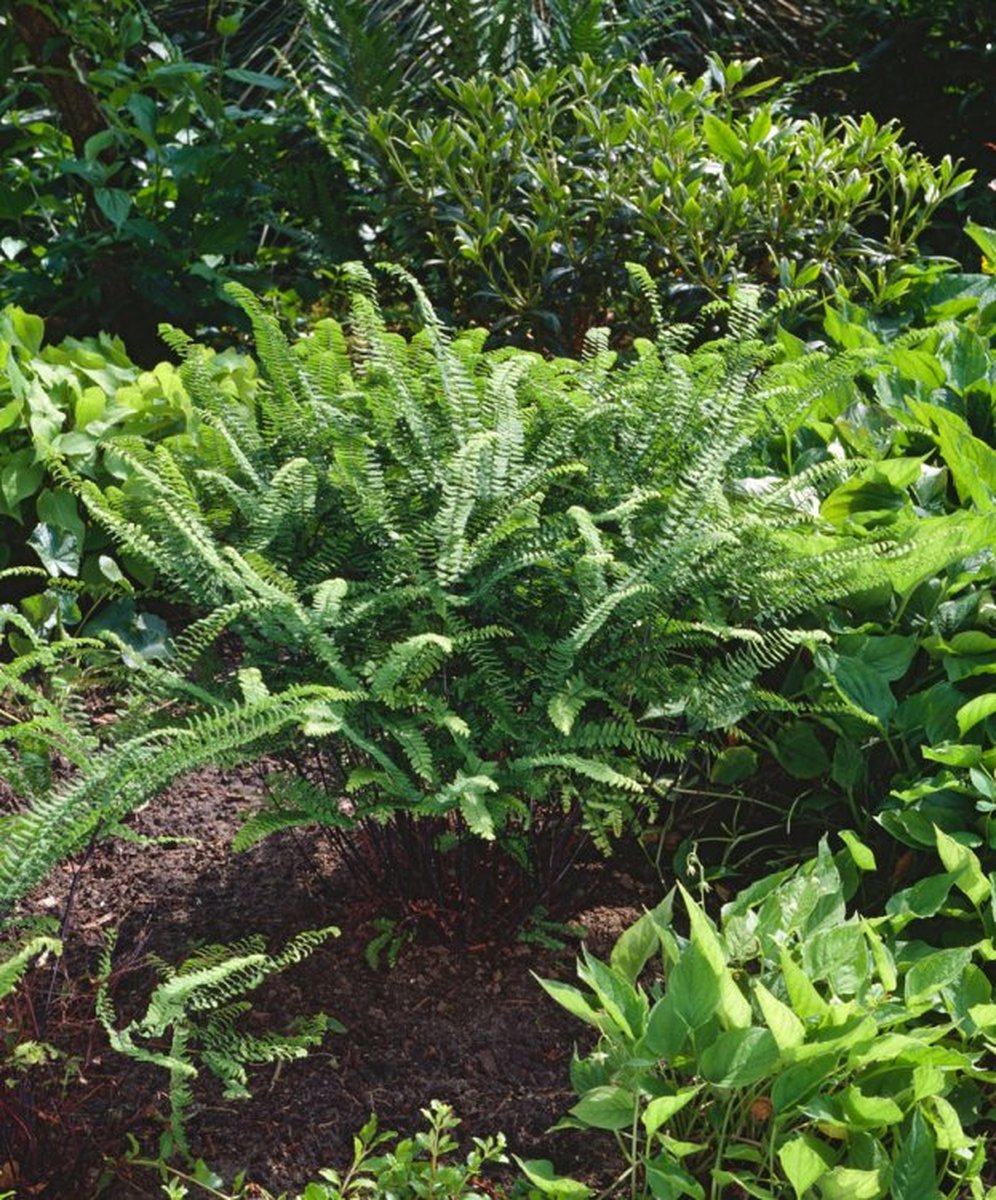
x: 795, y: 1051
x: 477, y: 588
x: 531, y: 192
x: 67, y: 400
x: 135, y: 180
x: 894, y: 723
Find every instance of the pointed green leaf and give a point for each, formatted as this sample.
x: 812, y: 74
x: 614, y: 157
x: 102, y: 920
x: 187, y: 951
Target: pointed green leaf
x: 539, y: 1172
x: 914, y: 1172
x: 937, y: 970
x: 663, y: 1108
x: 607, y: 1107
x: 740, y: 1057
x: 733, y: 1007
x: 964, y: 865
x: 979, y: 709
x: 722, y: 140
x: 785, y: 1026
x: 804, y: 1160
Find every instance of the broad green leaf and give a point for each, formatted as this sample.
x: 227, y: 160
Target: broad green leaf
x: 733, y: 1007
x: 722, y: 140
x: 848, y: 1183
x: 869, y: 1112
x: 864, y: 687
x: 666, y: 1032
x: 984, y: 1016
x: 928, y: 1080
x: 663, y: 1108
x: 805, y: 999
x: 733, y: 765
x: 923, y: 899
x: 572, y: 999
x: 965, y: 357
x: 953, y: 754
x: 58, y: 549
x: 889, y: 654
x: 114, y: 203
x: 985, y: 239
x: 636, y: 945
x: 799, y: 1081
x: 863, y: 857
x: 539, y: 1172
x: 934, y: 542
x: 730, y: 1179
x: 964, y: 865
x: 838, y: 954
x: 27, y: 328
x: 111, y: 571
x: 10, y: 414
x: 856, y: 1035
x: 885, y: 964
x: 918, y: 365
x: 740, y: 1057
x: 694, y: 986
x: 785, y: 1026
x: 947, y: 1126
x: 971, y: 461
x: 976, y: 710
x: 801, y: 752
x: 609, y: 1107
x: 20, y: 477
x: 143, y: 111
x: 256, y: 79
x: 876, y: 492
x: 622, y: 1002
x: 669, y: 1180
x: 59, y: 510
x: 914, y: 1171
x: 937, y: 970
x: 804, y: 1160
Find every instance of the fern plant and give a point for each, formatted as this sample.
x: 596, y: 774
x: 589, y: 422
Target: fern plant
x: 199, y: 1005
x: 473, y: 588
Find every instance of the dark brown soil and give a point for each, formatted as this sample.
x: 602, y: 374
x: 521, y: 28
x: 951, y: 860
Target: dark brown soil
x: 462, y: 1023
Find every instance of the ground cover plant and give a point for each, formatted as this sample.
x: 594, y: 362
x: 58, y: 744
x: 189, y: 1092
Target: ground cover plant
x: 795, y: 1051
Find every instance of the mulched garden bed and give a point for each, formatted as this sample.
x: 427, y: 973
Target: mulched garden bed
x: 463, y: 1023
